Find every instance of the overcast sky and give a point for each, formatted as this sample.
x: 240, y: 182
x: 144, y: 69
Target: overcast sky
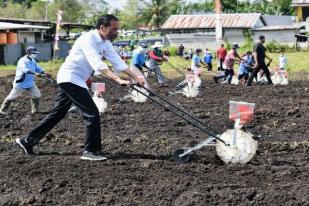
x: 120, y: 3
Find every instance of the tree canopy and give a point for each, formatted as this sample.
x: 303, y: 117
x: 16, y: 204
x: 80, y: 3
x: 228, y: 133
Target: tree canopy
x: 152, y: 13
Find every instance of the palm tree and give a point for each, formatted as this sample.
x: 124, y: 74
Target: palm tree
x: 155, y: 13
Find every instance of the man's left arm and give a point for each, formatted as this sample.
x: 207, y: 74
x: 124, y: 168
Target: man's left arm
x: 238, y: 58
x: 269, y: 60
x: 203, y: 63
x: 267, y: 57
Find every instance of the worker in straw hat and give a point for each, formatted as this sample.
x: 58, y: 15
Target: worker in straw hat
x: 155, y: 58
x: 26, y: 70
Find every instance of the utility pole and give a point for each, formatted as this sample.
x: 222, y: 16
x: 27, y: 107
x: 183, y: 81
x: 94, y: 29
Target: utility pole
x: 218, y: 21
x: 46, y: 8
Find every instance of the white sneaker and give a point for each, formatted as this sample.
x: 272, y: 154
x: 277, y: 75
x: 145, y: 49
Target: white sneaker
x: 72, y: 109
x: 92, y: 156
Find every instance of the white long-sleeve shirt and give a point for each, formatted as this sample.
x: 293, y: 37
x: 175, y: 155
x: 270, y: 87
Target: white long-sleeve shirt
x: 86, y: 57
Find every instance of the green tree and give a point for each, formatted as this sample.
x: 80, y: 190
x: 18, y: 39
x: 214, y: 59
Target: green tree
x: 37, y: 10
x: 229, y: 6
x: 155, y: 12
x: 283, y: 6
x: 129, y: 16
x: 176, y: 7
x: 95, y: 9
x: 73, y: 10
x: 207, y: 6
x: 9, y: 9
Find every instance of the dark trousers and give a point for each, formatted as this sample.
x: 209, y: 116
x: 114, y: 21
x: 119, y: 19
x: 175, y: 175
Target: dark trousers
x: 256, y: 70
x: 220, y: 68
x: 244, y: 75
x: 228, y: 74
x: 209, y: 66
x: 70, y: 93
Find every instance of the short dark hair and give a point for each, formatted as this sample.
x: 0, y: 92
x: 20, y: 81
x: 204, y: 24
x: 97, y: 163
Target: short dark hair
x: 197, y: 51
x: 261, y: 37
x: 106, y: 20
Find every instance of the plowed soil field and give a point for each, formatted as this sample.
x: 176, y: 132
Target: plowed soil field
x: 139, y: 140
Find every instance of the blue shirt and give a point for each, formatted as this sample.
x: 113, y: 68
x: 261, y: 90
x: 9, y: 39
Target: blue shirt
x: 138, y: 58
x: 208, y: 58
x: 22, y: 79
x: 196, y: 60
x: 244, y: 65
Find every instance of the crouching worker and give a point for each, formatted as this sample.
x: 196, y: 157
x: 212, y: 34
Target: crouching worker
x: 197, y: 63
x: 245, y: 67
x: 24, y: 81
x: 139, y: 59
x: 84, y: 59
x: 229, y: 61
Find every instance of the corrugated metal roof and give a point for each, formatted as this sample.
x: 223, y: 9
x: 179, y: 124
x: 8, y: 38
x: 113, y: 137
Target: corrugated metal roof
x: 278, y: 20
x: 201, y: 21
x: 281, y: 27
x: 5, y: 26
x: 300, y: 3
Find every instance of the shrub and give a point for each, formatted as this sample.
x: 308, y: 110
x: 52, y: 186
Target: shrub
x: 274, y: 46
x: 248, y: 43
x: 227, y: 44
x: 172, y: 50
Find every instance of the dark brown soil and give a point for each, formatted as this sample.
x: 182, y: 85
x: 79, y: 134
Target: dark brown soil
x: 139, y: 139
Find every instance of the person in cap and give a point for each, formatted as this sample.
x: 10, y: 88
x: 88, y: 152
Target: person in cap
x: 85, y: 58
x: 196, y: 62
x: 139, y: 60
x: 245, y: 67
x: 208, y: 59
x: 155, y: 58
x: 229, y: 61
x: 24, y: 82
x: 259, y: 53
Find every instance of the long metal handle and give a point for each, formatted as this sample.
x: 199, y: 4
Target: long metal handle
x: 198, y: 146
x: 204, y: 127
x: 206, y: 130
x: 50, y: 79
x: 216, y: 136
x: 181, y: 110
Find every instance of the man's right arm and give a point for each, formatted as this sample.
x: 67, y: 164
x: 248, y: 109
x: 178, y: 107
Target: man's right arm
x: 120, y: 66
x: 255, y: 60
x: 154, y: 56
x: 96, y: 63
x: 111, y: 75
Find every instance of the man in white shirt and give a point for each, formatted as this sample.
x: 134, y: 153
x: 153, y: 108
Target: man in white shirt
x: 85, y: 58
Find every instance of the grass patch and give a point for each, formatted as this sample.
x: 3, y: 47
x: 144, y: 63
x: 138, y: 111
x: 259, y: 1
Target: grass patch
x: 298, y: 62
x: 49, y: 66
